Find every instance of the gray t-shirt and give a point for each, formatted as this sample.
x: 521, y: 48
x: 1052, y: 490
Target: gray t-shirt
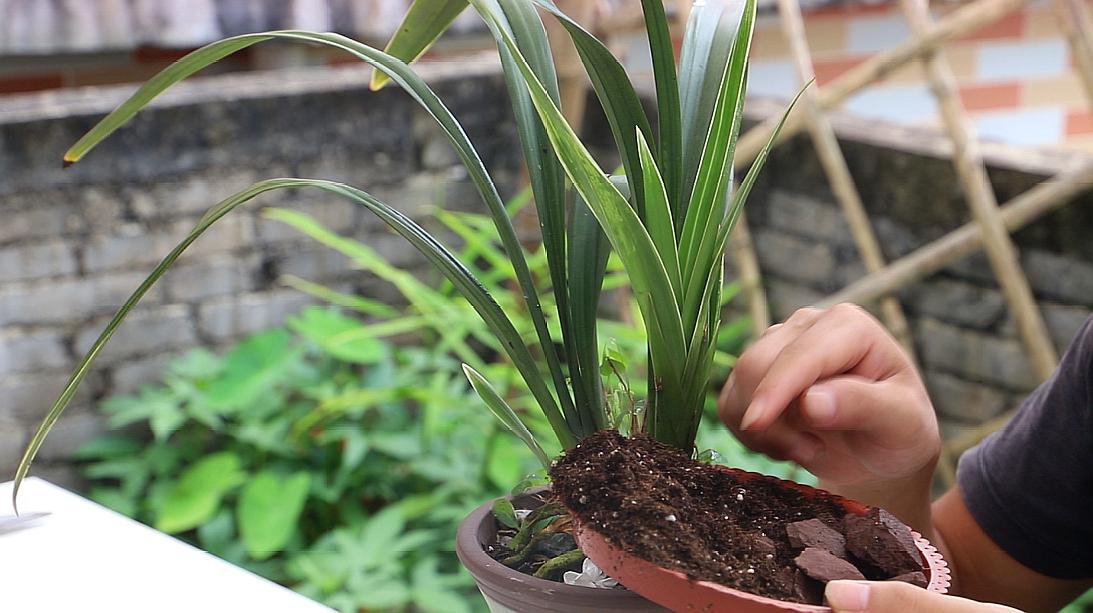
x: 1030, y: 485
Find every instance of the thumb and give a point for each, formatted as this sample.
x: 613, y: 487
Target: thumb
x: 899, y: 597
x: 850, y: 402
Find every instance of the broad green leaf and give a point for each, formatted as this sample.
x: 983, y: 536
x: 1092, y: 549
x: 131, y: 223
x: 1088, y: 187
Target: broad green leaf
x: 115, y: 499
x: 269, y: 507
x: 196, y: 496
x: 199, y: 364
x: 504, y: 413
x: 506, y: 461
x: 423, y: 24
x: 107, y: 447
x: 504, y: 513
x: 338, y: 335
x: 436, y: 600
x: 250, y: 369
x: 382, y: 532
x: 162, y: 409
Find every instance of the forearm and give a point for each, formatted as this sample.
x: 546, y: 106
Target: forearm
x: 981, y: 570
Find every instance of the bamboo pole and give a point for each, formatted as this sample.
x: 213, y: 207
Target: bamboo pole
x: 960, y: 22
x: 742, y: 251
x: 981, y: 199
x: 1077, y: 25
x: 572, y: 80
x: 962, y: 242
x: 836, y: 169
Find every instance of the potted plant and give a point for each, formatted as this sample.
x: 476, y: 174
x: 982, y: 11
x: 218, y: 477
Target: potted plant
x: 667, y: 217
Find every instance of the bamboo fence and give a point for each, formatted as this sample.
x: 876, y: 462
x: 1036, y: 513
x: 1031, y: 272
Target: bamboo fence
x: 991, y: 226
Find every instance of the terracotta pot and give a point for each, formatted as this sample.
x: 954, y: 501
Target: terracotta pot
x: 508, y: 591
x: 675, y: 591
x: 653, y: 588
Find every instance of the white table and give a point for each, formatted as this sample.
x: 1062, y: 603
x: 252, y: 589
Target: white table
x: 85, y: 557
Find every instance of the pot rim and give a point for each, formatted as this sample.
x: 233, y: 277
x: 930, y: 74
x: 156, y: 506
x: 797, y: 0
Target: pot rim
x: 652, y: 580
x: 485, y: 569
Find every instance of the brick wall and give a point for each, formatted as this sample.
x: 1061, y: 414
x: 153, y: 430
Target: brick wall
x: 966, y: 339
x: 75, y: 243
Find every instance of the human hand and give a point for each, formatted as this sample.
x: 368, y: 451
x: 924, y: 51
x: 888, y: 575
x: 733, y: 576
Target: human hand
x: 832, y: 391
x: 899, y: 597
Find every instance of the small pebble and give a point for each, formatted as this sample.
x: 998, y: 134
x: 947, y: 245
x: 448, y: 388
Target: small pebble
x: 739, y: 497
x: 670, y: 518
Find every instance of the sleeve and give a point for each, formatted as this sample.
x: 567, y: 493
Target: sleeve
x: 1030, y: 485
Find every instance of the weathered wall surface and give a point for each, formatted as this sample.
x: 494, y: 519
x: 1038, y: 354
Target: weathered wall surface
x: 966, y: 339
x: 73, y: 244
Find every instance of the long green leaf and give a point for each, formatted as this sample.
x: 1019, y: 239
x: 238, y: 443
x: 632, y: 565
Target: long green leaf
x: 616, y: 94
x: 649, y: 279
x: 269, y: 509
x: 659, y: 216
x: 405, y: 77
x: 429, y: 247
x: 504, y: 413
x: 588, y: 256
x: 424, y: 22
x: 707, y: 206
x: 707, y: 43
x: 518, y: 19
x: 669, y: 121
x: 700, y: 350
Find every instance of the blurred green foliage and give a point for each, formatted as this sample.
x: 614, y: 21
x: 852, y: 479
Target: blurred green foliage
x: 338, y: 454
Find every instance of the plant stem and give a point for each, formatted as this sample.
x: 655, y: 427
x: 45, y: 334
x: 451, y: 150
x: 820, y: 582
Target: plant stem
x: 559, y: 563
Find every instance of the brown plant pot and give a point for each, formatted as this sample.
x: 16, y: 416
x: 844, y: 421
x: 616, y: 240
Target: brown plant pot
x: 509, y: 591
x: 653, y: 588
x: 675, y: 591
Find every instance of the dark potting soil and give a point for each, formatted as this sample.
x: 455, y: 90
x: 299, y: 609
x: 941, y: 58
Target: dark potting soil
x: 653, y: 501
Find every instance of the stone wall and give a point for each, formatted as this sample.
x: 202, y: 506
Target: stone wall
x: 965, y: 336
x: 74, y: 243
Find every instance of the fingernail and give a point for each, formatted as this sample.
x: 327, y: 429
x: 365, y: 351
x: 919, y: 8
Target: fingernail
x: 820, y: 406
x: 847, y: 596
x: 753, y: 413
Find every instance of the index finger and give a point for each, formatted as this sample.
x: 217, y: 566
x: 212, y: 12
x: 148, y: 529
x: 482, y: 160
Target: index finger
x: 845, y: 340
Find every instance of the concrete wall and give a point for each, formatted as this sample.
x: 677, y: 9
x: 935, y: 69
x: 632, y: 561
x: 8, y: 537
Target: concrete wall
x: 74, y: 243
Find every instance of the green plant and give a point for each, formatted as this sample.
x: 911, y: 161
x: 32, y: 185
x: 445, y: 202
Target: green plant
x: 281, y: 452
x: 667, y: 218
x: 385, y: 436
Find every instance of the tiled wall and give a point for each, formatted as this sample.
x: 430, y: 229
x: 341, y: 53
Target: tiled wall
x: 1016, y: 76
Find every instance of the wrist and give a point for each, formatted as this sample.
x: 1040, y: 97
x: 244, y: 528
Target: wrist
x: 908, y: 498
